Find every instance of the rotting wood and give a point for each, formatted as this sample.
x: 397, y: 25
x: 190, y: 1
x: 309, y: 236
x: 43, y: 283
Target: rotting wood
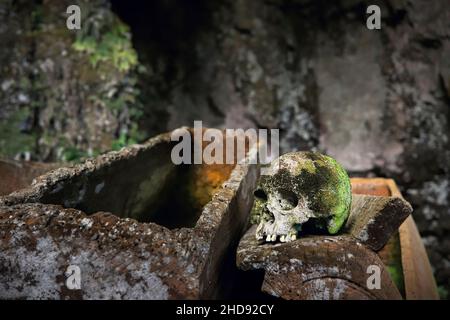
x: 315, y: 267
x: 417, y: 272
x: 374, y: 219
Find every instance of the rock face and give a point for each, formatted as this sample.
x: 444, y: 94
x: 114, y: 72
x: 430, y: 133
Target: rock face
x: 65, y: 94
x: 377, y: 101
x: 106, y: 216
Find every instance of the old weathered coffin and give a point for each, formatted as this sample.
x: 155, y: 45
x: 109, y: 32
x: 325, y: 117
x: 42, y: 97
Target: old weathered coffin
x: 136, y: 225
x: 183, y: 255
x: 318, y: 266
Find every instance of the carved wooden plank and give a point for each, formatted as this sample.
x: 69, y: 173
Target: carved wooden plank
x: 370, y: 186
x: 419, y: 280
x: 418, y: 275
x: 374, y: 219
x: 315, y: 267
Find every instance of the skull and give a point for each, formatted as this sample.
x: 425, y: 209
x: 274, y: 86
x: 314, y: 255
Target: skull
x: 301, y: 189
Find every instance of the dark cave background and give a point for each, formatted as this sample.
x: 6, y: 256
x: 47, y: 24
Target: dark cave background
x: 376, y: 100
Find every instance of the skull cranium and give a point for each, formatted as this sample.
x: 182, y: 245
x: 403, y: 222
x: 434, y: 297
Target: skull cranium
x: 301, y: 187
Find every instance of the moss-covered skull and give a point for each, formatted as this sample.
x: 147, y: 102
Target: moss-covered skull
x: 301, y: 187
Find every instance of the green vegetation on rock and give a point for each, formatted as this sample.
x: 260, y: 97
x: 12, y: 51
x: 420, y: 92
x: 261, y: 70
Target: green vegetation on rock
x: 114, y: 47
x: 67, y: 95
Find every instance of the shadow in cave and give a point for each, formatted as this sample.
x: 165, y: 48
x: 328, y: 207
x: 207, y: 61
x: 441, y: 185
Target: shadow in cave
x: 164, y: 34
x: 163, y: 28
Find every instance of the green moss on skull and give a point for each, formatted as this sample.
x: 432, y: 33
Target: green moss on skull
x: 320, y: 179
x: 337, y: 196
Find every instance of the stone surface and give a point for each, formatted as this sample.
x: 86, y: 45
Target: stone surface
x: 118, y: 258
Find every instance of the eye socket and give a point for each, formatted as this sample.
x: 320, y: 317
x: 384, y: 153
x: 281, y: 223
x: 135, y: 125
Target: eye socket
x: 288, y: 200
x: 260, y: 194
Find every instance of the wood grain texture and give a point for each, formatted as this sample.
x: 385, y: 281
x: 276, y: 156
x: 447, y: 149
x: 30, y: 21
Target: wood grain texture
x: 315, y: 268
x: 374, y: 219
x: 417, y: 272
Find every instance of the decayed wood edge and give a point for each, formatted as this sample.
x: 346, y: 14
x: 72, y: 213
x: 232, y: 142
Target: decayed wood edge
x: 374, y: 219
x: 417, y: 272
x: 375, y: 184
x: 378, y: 187
x: 315, y: 267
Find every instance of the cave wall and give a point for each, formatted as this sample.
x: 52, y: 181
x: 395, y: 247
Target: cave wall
x: 64, y: 94
x: 376, y: 100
